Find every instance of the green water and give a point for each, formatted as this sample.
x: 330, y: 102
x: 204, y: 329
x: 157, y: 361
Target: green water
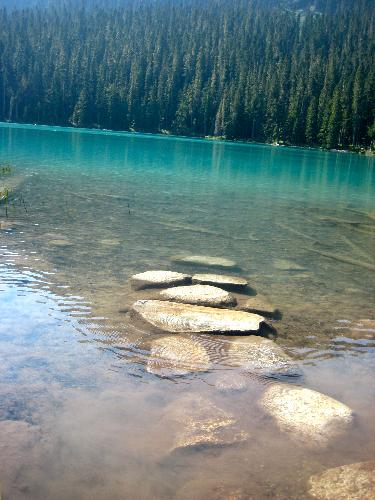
x: 91, y: 209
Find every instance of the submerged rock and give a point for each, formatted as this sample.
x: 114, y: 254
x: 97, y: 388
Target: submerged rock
x: 158, y: 279
x: 60, y: 243
x: 287, y: 265
x: 179, y: 318
x: 349, y: 482
x: 175, y: 355
x: 261, y: 356
x: 231, y: 282
x: 310, y: 417
x: 5, y: 226
x: 203, y: 488
x: 204, y: 260
x: 110, y: 242
x: 231, y: 382
x: 260, y: 305
x: 203, y: 295
x: 200, y: 424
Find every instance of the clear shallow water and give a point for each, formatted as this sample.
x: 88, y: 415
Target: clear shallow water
x: 91, y: 209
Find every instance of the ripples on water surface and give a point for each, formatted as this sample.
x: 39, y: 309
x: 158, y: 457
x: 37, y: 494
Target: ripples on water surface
x: 78, y: 410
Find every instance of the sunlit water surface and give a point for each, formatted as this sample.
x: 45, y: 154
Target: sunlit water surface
x: 79, y: 414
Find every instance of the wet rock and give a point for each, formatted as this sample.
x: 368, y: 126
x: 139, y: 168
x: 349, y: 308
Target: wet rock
x: 349, y: 482
x: 261, y: 356
x: 200, y: 424
x: 205, y: 260
x: 227, y: 282
x: 311, y: 418
x: 173, y: 317
x: 175, y: 355
x: 231, y: 382
x: 260, y: 305
x: 287, y: 265
x: 203, y: 295
x: 159, y: 279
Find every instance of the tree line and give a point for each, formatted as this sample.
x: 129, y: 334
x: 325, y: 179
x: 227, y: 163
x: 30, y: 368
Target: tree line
x: 240, y: 69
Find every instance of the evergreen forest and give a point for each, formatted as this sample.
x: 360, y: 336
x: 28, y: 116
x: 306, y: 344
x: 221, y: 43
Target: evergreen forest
x: 297, y: 72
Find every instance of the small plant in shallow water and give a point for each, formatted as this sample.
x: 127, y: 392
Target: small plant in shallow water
x: 5, y: 169
x: 4, y: 198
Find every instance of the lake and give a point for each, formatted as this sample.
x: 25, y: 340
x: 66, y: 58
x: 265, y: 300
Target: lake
x: 81, y: 414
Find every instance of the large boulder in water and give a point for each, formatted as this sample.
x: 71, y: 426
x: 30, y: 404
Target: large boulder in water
x: 349, y: 482
x: 198, y: 423
x: 205, y: 261
x: 158, y: 279
x: 173, y: 317
x: 176, y: 355
x: 202, y: 295
x: 222, y: 281
x: 310, y: 417
x: 261, y: 356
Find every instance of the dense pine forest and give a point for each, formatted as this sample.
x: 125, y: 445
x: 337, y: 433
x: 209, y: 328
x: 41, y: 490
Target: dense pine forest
x: 302, y: 72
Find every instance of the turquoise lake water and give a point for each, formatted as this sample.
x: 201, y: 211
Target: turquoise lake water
x: 88, y: 209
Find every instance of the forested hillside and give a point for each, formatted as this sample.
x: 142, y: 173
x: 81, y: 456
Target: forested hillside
x: 296, y: 71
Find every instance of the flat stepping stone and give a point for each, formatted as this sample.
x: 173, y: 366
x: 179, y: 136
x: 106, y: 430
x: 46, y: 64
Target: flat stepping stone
x: 231, y: 282
x: 204, y: 260
x: 203, y: 295
x: 260, y: 305
x: 173, y: 317
x: 261, y: 356
x: 349, y: 482
x: 310, y: 417
x: 175, y: 355
x: 200, y: 424
x: 158, y: 279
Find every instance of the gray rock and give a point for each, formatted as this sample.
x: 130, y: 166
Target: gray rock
x: 176, y: 355
x: 158, y: 279
x: 200, y: 424
x: 173, y: 317
x: 349, y: 482
x: 230, y: 282
x: 260, y: 305
x: 261, y: 356
x: 310, y: 417
x: 203, y: 295
x: 204, y: 260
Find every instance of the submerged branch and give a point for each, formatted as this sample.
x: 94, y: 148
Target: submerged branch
x: 357, y: 249
x: 343, y: 258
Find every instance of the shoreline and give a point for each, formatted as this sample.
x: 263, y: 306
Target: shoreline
x: 167, y: 134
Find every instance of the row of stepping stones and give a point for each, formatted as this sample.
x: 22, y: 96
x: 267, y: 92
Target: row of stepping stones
x: 204, y: 303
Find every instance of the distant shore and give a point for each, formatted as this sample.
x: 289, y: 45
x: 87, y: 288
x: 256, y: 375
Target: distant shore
x: 166, y: 133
